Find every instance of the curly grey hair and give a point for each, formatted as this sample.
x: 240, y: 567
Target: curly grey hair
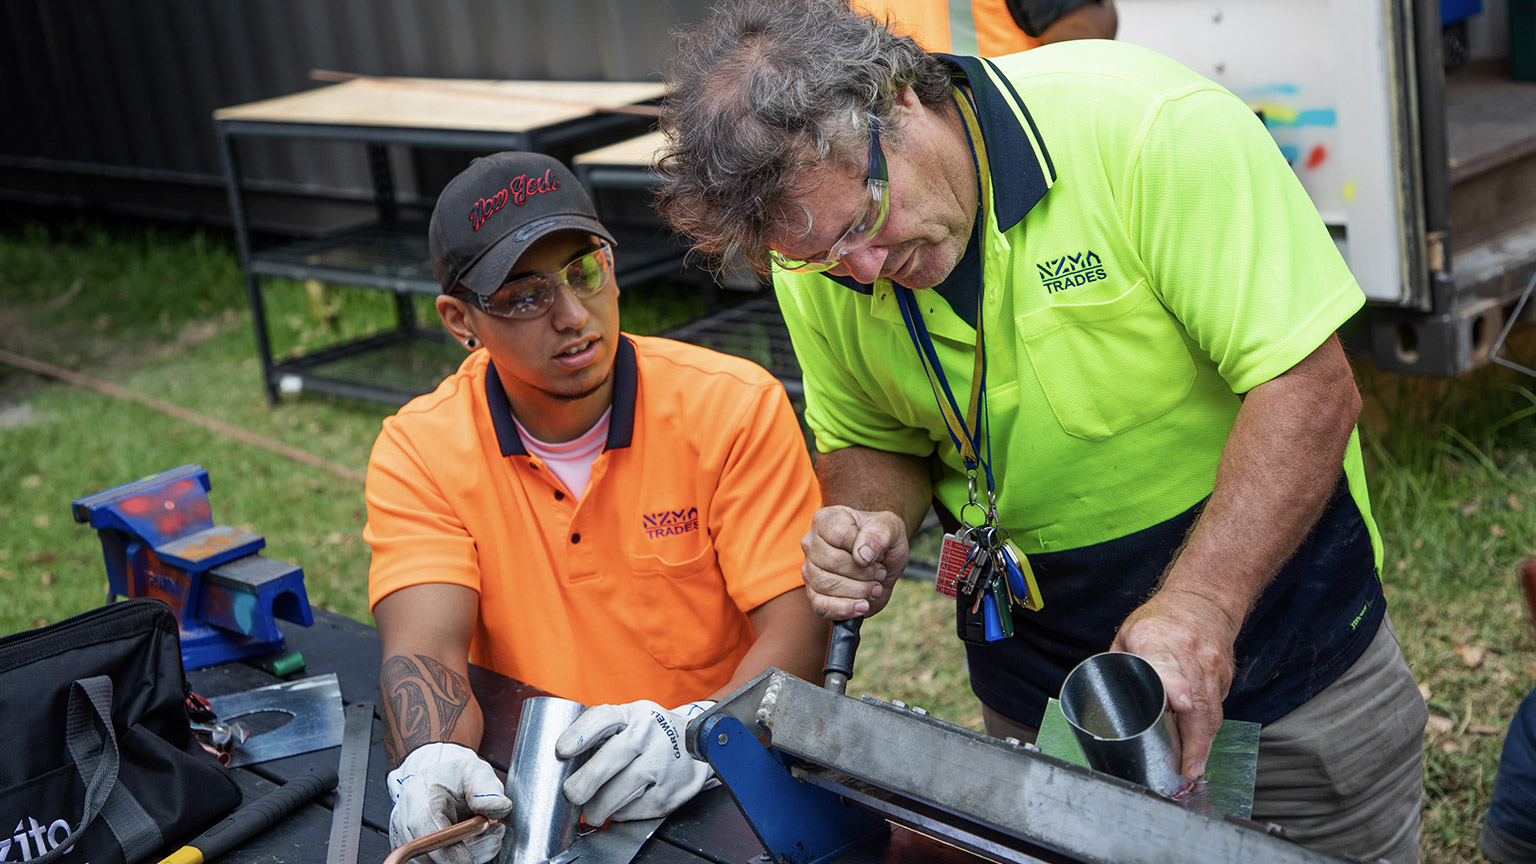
x: 763, y: 90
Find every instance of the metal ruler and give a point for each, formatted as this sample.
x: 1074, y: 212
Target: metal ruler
x: 347, y: 817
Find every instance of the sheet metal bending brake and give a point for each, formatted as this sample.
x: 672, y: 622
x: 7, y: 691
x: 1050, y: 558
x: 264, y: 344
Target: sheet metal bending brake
x: 816, y: 772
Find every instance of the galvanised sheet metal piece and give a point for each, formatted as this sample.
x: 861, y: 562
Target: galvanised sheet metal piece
x: 1226, y: 790
x: 987, y: 786
x: 543, y: 824
x: 615, y: 843
x: 312, y: 704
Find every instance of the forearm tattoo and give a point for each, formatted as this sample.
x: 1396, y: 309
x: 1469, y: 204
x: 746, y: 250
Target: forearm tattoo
x: 423, y: 700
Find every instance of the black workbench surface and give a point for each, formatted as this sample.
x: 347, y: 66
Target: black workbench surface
x: 708, y: 829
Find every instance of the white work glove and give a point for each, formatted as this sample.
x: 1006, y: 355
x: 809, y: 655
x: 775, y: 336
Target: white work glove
x: 641, y: 769
x: 439, y: 785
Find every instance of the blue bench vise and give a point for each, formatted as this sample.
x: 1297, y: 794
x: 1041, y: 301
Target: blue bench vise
x: 159, y: 540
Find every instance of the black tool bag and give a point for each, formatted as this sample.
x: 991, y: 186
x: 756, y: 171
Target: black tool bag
x: 95, y: 747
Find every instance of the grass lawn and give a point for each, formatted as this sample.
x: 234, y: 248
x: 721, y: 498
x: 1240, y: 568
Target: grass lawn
x: 162, y: 312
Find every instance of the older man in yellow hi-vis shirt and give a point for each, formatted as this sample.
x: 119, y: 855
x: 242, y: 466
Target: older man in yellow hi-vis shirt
x: 1075, y: 299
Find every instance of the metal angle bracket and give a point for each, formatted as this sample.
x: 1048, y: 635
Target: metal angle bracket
x: 797, y: 823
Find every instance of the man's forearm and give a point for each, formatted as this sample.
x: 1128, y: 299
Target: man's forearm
x: 423, y: 701
x: 877, y: 480
x: 787, y: 635
x: 1276, y: 474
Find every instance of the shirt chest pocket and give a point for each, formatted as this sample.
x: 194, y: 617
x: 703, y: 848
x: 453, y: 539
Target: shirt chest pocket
x: 682, y: 611
x: 1110, y: 366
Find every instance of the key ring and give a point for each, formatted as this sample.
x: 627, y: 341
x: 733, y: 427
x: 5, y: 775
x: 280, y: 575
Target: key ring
x: 970, y: 489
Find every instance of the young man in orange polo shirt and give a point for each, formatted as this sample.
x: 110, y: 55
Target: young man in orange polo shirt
x: 610, y: 518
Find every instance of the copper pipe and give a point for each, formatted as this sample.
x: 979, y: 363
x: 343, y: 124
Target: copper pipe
x: 474, y: 826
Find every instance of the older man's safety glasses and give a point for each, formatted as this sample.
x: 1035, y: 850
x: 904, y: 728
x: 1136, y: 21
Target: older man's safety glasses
x: 532, y: 296
x: 866, y: 224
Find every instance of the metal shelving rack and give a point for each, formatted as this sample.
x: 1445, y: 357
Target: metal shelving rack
x: 753, y: 329
x: 390, y: 254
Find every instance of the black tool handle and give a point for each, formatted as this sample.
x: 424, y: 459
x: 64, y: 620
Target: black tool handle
x: 260, y: 815
x: 841, y: 646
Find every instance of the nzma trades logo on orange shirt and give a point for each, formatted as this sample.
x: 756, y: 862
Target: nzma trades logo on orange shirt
x: 665, y: 523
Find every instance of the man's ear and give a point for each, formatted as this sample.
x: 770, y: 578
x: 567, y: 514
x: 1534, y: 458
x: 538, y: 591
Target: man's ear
x: 455, y: 317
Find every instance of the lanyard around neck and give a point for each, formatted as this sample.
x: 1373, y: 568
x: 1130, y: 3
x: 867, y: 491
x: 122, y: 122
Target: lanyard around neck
x: 970, y: 433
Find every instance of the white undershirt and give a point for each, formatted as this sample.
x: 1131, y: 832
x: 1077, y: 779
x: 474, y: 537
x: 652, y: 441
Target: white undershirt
x: 570, y: 461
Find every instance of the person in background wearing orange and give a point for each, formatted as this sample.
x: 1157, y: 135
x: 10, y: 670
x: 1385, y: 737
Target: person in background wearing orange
x: 606, y: 517
x: 993, y: 28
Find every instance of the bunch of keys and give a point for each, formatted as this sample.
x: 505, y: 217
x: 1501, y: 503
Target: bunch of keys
x: 988, y: 576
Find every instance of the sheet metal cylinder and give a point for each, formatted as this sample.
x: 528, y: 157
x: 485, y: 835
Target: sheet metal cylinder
x: 543, y: 823
x: 1118, y: 709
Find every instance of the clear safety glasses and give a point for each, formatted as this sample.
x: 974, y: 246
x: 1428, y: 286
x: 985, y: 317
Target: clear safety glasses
x: 870, y: 219
x: 532, y: 296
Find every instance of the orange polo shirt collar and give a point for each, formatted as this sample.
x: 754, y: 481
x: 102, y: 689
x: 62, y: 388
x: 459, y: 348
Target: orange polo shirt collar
x: 621, y: 423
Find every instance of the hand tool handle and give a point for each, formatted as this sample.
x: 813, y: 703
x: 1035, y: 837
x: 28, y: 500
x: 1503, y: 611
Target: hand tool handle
x: 841, y: 646
x: 254, y: 818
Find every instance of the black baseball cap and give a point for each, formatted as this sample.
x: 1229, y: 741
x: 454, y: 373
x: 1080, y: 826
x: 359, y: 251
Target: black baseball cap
x: 488, y: 216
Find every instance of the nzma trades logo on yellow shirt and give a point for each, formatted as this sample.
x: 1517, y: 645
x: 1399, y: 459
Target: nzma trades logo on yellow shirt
x: 1069, y: 271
